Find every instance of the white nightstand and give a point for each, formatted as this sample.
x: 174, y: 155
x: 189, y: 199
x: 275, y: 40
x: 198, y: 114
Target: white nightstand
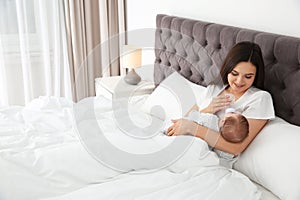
x: 116, y: 87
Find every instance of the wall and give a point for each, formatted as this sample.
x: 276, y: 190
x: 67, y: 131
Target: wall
x: 276, y: 16
x: 141, y: 25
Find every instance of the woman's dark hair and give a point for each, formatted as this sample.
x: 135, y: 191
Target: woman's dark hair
x: 244, y: 52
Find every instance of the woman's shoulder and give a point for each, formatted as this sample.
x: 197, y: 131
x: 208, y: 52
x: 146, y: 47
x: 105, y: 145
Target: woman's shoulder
x: 261, y: 97
x: 256, y: 91
x: 258, y: 104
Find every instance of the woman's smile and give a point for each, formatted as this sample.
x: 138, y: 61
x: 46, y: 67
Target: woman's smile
x: 238, y: 85
x: 241, y: 77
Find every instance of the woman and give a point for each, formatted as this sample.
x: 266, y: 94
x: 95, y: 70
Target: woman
x: 242, y: 75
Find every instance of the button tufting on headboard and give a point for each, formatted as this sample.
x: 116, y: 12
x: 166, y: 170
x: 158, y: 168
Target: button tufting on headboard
x: 196, y: 49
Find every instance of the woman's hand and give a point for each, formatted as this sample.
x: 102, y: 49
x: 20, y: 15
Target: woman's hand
x: 182, y: 127
x: 217, y: 103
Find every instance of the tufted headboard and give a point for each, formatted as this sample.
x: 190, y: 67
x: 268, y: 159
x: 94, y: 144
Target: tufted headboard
x: 196, y: 50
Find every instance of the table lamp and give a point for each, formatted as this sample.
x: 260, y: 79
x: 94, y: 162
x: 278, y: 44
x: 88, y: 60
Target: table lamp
x: 132, y: 58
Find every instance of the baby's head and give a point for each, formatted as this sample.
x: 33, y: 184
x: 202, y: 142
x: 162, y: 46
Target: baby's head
x: 234, y: 127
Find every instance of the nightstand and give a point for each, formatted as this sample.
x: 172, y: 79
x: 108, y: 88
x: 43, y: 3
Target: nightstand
x: 116, y: 87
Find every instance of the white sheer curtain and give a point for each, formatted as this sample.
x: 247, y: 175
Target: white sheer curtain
x: 33, y: 51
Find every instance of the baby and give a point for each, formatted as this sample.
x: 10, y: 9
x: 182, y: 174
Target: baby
x: 233, y: 127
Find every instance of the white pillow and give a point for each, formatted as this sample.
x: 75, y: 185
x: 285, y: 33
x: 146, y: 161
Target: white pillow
x: 273, y: 159
x: 173, y: 98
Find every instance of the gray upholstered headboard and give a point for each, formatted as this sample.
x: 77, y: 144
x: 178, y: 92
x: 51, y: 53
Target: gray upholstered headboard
x: 196, y: 49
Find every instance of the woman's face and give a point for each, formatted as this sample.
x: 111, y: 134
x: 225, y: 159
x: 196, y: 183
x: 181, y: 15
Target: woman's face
x: 241, y: 77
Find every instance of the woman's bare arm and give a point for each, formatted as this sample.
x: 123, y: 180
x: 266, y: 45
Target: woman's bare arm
x: 213, y: 138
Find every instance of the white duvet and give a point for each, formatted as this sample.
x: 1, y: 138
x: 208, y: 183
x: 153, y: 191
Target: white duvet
x: 53, y: 149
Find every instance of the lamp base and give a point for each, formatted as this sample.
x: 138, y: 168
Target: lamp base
x: 132, y: 77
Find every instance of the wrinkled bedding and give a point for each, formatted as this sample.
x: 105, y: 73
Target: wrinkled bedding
x: 51, y: 149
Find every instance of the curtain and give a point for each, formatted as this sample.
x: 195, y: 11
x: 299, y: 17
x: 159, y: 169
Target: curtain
x: 33, y: 45
x: 95, y: 30
x: 58, y: 47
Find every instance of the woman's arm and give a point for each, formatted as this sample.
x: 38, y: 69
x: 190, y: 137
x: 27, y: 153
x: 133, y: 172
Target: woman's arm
x: 213, y: 138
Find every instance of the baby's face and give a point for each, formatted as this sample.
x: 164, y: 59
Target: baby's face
x: 230, y: 114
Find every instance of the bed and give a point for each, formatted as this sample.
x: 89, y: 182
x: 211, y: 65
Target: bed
x: 54, y: 149
x: 196, y: 50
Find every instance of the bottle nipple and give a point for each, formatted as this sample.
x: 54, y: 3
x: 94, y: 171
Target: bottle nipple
x: 230, y: 110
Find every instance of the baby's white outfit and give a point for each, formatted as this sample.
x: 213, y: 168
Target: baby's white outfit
x: 212, y: 121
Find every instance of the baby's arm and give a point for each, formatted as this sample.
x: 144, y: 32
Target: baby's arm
x: 205, y: 119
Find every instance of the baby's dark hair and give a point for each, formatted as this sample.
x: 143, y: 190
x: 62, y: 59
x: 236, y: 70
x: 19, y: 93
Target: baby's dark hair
x: 235, y: 129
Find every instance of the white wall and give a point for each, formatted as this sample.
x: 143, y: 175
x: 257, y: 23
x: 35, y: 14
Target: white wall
x: 275, y: 16
x: 141, y: 25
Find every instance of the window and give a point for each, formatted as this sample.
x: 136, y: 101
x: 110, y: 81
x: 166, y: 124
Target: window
x: 8, y: 17
x: 10, y: 12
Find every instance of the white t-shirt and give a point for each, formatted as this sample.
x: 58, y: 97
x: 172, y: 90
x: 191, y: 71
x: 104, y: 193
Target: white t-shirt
x: 253, y: 104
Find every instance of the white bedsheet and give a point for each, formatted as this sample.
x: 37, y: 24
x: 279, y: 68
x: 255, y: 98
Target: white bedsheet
x: 42, y: 156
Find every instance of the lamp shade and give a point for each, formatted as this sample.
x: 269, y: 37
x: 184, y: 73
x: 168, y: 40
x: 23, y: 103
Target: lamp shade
x: 132, y: 56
